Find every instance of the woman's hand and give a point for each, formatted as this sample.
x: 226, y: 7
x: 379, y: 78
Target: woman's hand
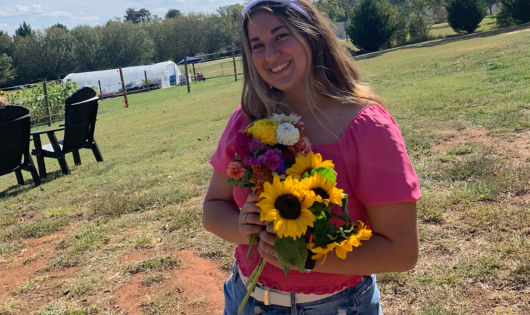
x: 266, y: 246
x: 249, y: 222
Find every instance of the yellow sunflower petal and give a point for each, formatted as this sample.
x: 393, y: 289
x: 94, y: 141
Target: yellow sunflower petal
x: 269, y: 215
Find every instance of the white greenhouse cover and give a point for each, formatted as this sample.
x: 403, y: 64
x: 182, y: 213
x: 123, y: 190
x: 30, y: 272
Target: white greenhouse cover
x: 164, y: 73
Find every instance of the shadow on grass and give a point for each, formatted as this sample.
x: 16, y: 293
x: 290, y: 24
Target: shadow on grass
x: 444, y: 41
x: 16, y: 189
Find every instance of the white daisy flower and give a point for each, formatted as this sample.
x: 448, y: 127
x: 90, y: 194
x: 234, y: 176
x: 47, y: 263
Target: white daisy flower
x: 282, y: 118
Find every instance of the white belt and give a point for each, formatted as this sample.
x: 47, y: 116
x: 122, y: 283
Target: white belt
x: 271, y: 296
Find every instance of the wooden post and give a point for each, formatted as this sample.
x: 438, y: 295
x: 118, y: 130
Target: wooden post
x: 124, y: 90
x: 186, y: 69
x: 47, y: 101
x: 234, y: 59
x: 194, y: 73
x: 146, y: 82
x: 100, y: 91
x: 222, y: 72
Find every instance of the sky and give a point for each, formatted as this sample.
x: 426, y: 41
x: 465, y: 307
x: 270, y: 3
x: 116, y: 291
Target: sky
x: 39, y: 13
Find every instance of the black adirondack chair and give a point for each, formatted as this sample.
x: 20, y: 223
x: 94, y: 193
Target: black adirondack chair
x: 14, y: 143
x: 81, y: 110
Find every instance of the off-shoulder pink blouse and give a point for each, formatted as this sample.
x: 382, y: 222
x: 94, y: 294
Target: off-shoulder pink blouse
x: 372, y: 167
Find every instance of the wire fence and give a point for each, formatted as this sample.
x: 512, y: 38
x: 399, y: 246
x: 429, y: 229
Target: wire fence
x: 46, y: 100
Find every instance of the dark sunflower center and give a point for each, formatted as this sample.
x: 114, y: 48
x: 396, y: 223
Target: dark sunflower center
x: 321, y: 192
x: 289, y: 206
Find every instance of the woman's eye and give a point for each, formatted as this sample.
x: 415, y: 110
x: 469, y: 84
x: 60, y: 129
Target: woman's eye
x: 256, y: 46
x: 281, y: 36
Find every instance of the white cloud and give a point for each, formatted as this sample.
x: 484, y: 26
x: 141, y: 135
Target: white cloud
x: 20, y: 10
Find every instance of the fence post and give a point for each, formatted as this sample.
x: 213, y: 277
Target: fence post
x: 186, y: 67
x: 124, y: 90
x: 234, y: 59
x: 47, y: 101
x: 222, y: 71
x: 100, y: 91
x: 146, y: 82
x: 194, y: 73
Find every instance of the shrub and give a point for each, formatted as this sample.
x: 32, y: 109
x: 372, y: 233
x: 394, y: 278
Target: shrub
x: 418, y: 28
x: 371, y: 26
x: 464, y: 16
x: 513, y: 12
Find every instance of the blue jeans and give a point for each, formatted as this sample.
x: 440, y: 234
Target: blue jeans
x: 362, y: 299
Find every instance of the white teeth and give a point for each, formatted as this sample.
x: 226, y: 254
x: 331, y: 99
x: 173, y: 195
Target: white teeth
x: 280, y: 67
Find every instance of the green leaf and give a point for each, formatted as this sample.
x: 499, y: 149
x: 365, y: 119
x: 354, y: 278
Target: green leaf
x: 233, y: 182
x: 291, y: 252
x: 325, y: 232
x: 327, y: 172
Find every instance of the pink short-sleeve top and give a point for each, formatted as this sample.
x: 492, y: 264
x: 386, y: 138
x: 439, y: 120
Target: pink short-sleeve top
x: 372, y: 167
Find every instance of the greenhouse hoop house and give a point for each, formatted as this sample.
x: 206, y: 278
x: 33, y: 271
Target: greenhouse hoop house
x: 159, y: 75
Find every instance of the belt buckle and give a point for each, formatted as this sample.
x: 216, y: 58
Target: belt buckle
x: 266, y: 296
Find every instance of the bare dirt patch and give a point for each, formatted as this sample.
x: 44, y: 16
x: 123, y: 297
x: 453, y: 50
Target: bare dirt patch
x: 196, y: 286
x: 513, y: 146
x: 29, y: 260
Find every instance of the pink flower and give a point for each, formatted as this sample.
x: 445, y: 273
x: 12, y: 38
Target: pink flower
x: 303, y: 146
x: 235, y: 170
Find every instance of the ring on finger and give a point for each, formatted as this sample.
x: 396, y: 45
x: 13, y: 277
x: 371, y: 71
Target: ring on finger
x: 271, y: 252
x: 245, y: 218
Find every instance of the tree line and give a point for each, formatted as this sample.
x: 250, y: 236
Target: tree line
x: 380, y: 24
x: 140, y: 38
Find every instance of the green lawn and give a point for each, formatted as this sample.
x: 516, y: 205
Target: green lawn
x: 464, y: 111
x: 444, y: 29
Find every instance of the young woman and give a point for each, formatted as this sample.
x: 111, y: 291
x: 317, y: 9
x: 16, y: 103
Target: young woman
x: 294, y: 63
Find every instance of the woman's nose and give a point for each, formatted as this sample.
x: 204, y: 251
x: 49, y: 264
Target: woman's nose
x: 271, y: 52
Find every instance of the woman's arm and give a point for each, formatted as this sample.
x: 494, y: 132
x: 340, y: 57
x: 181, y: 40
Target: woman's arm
x: 393, y: 246
x: 222, y: 217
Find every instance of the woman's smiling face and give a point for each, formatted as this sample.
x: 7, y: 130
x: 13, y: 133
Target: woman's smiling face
x: 279, y: 57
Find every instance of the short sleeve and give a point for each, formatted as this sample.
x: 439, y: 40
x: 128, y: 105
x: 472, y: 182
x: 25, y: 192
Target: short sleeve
x: 381, y: 172
x: 225, y: 149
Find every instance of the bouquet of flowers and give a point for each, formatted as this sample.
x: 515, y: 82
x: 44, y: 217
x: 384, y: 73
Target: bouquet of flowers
x: 274, y: 159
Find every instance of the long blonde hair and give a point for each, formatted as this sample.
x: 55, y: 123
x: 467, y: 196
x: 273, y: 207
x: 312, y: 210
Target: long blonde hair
x: 332, y: 72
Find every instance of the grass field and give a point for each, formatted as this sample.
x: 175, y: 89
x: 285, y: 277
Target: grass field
x: 109, y: 238
x: 444, y: 29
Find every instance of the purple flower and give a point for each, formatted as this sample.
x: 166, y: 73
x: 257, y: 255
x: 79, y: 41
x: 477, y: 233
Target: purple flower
x: 241, y: 144
x: 255, y: 145
x: 281, y: 170
x: 272, y: 159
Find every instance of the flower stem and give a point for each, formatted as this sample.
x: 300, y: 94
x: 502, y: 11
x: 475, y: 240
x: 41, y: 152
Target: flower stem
x: 254, y: 281
x: 339, y: 216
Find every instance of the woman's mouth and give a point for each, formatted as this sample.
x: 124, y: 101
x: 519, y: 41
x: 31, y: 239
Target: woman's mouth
x: 280, y: 67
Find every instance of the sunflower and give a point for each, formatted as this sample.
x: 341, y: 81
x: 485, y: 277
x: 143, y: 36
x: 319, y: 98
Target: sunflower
x: 323, y: 251
x: 321, y: 190
x: 363, y: 234
x: 286, y: 207
x: 306, y: 164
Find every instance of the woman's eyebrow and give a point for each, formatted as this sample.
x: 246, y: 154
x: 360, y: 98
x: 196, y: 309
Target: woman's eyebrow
x: 274, y: 30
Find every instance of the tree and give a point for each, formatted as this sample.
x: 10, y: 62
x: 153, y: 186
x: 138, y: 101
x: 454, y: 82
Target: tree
x: 332, y: 9
x: 173, y: 13
x: 125, y: 44
x: 6, y: 44
x: 87, y: 48
x: 464, y: 16
x: 59, y: 25
x: 26, y: 58
x: 57, y: 52
x: 6, y: 68
x: 23, y: 30
x: 370, y: 27
x: 489, y: 5
x: 142, y: 15
x: 513, y: 12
